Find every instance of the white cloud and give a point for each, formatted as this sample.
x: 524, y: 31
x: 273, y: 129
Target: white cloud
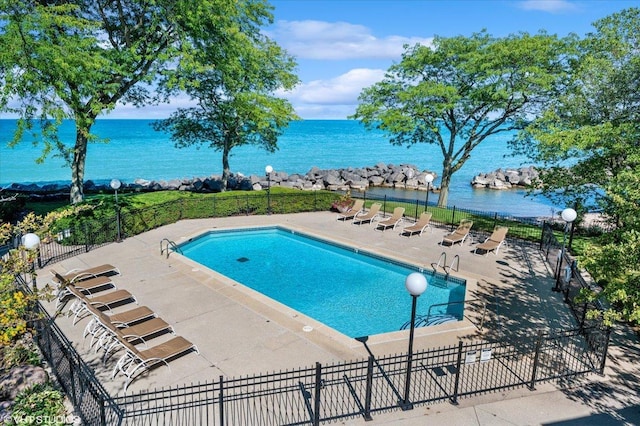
x: 552, y: 6
x: 333, y: 98
x: 338, y: 40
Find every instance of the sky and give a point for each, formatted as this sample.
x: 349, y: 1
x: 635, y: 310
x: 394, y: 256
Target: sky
x: 343, y: 46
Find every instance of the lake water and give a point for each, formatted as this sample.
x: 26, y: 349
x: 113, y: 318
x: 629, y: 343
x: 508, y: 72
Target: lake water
x: 135, y: 150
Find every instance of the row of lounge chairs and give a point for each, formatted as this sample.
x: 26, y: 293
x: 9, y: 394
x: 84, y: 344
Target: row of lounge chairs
x: 128, y: 331
x: 358, y: 216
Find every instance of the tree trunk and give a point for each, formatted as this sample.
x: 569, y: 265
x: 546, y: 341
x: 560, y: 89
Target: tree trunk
x: 76, y: 194
x: 443, y: 197
x: 225, y: 166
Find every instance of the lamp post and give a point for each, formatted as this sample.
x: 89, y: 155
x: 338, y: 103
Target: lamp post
x: 31, y: 241
x: 115, y: 185
x: 268, y: 171
x: 568, y: 215
x: 428, y: 178
x: 416, y: 284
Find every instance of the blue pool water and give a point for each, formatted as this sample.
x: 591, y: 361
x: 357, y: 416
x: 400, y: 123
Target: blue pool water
x: 355, y: 293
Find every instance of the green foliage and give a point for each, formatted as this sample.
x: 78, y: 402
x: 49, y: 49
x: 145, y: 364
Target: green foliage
x: 234, y: 91
x: 76, y: 60
x: 22, y: 352
x: 461, y: 90
x: 39, y: 404
x: 588, y: 140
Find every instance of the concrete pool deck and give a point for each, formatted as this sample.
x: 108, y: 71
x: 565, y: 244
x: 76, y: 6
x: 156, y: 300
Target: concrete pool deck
x: 240, y: 333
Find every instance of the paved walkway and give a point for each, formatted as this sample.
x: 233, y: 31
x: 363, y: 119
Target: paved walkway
x: 240, y: 332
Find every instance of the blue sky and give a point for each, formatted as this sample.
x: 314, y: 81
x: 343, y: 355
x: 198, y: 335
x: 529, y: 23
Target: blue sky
x: 342, y: 46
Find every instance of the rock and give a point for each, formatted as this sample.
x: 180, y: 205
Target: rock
x: 505, y: 179
x: 20, y: 378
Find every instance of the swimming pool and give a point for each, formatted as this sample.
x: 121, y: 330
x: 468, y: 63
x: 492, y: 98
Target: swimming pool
x: 352, y: 291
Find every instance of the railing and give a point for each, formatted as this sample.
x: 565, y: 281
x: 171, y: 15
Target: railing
x: 166, y: 244
x: 88, y: 233
x: 362, y: 388
x: 321, y: 393
x: 91, y: 402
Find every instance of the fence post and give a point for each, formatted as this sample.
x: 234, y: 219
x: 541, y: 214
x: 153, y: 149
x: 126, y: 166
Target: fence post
x: 544, y: 222
x: 247, y: 210
x: 416, y: 215
x: 103, y: 416
x: 316, y: 397
x: 495, y: 220
x: 86, y: 238
x: 384, y: 204
x: 532, y: 384
x: 369, y: 390
x: 454, y: 398
x: 221, y: 400
x: 605, y: 351
x: 453, y: 217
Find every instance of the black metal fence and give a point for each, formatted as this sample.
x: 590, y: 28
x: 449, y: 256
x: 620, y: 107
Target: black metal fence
x: 87, y: 233
x: 91, y: 402
x: 324, y: 392
x: 570, y: 280
x: 362, y: 388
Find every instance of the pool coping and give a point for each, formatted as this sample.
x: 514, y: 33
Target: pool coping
x: 314, y: 330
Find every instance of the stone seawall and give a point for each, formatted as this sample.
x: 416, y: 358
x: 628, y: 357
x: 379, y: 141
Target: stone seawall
x: 379, y: 175
x: 506, y: 179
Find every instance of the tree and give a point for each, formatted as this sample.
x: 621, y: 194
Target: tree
x: 77, y: 59
x: 460, y: 91
x: 588, y: 140
x: 235, y: 101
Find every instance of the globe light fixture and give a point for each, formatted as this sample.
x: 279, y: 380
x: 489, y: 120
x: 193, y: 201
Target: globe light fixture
x: 416, y: 284
x: 268, y: 171
x: 115, y: 184
x: 428, y: 178
x: 568, y: 215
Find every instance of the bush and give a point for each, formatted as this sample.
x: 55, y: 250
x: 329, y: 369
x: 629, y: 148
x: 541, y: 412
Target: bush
x: 40, y: 404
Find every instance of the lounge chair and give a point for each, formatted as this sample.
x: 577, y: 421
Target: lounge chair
x: 353, y: 211
x: 393, y: 221
x: 88, y: 286
x: 419, y: 226
x: 460, y: 234
x: 113, y: 337
x: 83, y: 274
x: 495, y: 241
x: 79, y: 309
x: 95, y: 328
x: 373, y: 212
x: 135, y: 361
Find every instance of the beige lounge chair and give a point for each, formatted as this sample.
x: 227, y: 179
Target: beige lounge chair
x: 113, y: 337
x: 88, y: 286
x: 393, y: 221
x: 135, y: 361
x: 79, y: 309
x: 83, y: 274
x: 95, y: 328
x: 419, y: 226
x: 353, y: 211
x: 460, y: 234
x: 495, y: 241
x: 373, y: 212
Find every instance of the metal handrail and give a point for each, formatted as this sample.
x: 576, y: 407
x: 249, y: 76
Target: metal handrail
x: 170, y: 244
x: 446, y: 268
x: 423, y: 320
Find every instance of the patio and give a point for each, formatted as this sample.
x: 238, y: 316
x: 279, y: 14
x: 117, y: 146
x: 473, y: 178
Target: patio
x: 240, y: 332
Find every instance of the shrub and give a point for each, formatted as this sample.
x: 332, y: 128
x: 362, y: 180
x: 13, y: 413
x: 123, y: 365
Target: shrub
x: 39, y: 404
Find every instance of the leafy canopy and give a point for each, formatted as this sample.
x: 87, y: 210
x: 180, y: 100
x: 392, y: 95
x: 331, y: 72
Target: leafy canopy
x: 462, y: 90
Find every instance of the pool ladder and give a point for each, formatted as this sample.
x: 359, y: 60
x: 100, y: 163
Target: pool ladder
x: 442, y: 263
x: 164, y: 248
